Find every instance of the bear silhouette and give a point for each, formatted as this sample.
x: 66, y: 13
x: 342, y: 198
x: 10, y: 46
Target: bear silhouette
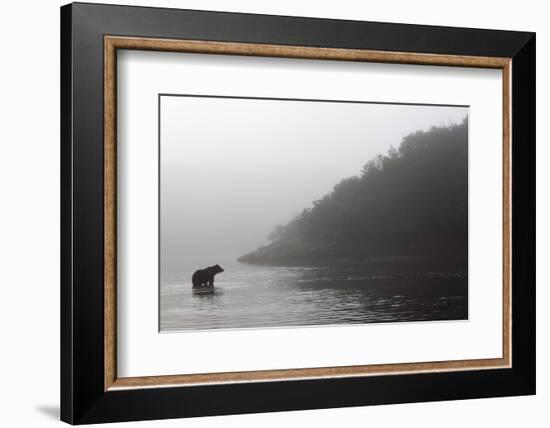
x: 205, y: 277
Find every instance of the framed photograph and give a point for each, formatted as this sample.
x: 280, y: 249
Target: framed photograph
x: 266, y: 213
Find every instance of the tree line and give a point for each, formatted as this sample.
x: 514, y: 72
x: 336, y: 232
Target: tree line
x: 411, y: 201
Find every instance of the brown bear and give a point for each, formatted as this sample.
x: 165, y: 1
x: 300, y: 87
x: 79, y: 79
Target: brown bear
x: 205, y: 277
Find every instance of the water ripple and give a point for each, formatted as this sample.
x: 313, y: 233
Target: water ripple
x: 259, y: 297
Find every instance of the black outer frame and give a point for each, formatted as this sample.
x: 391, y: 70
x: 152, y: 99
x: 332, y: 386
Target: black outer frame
x: 83, y: 399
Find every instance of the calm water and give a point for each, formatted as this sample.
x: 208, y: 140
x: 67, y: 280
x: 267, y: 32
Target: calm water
x: 257, y: 296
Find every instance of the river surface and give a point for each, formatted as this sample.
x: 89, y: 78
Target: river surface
x: 248, y: 296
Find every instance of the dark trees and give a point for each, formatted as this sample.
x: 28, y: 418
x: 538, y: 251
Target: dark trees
x: 411, y: 201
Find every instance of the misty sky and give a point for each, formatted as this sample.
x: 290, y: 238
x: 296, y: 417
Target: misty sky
x: 231, y: 169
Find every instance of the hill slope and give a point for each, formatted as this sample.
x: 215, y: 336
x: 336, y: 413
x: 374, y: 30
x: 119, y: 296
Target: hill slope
x: 410, y: 202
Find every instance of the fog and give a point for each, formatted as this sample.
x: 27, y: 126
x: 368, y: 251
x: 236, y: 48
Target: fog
x: 231, y: 169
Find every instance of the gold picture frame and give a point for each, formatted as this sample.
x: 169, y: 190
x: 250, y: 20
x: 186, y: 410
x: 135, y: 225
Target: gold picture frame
x: 114, y: 43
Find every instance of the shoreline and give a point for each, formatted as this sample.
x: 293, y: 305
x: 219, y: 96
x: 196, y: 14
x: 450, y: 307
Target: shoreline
x: 424, y: 259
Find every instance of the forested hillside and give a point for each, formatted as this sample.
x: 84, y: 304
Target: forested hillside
x: 410, y: 202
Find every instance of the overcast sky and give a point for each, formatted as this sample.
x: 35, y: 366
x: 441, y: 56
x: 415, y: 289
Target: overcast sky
x: 231, y: 169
